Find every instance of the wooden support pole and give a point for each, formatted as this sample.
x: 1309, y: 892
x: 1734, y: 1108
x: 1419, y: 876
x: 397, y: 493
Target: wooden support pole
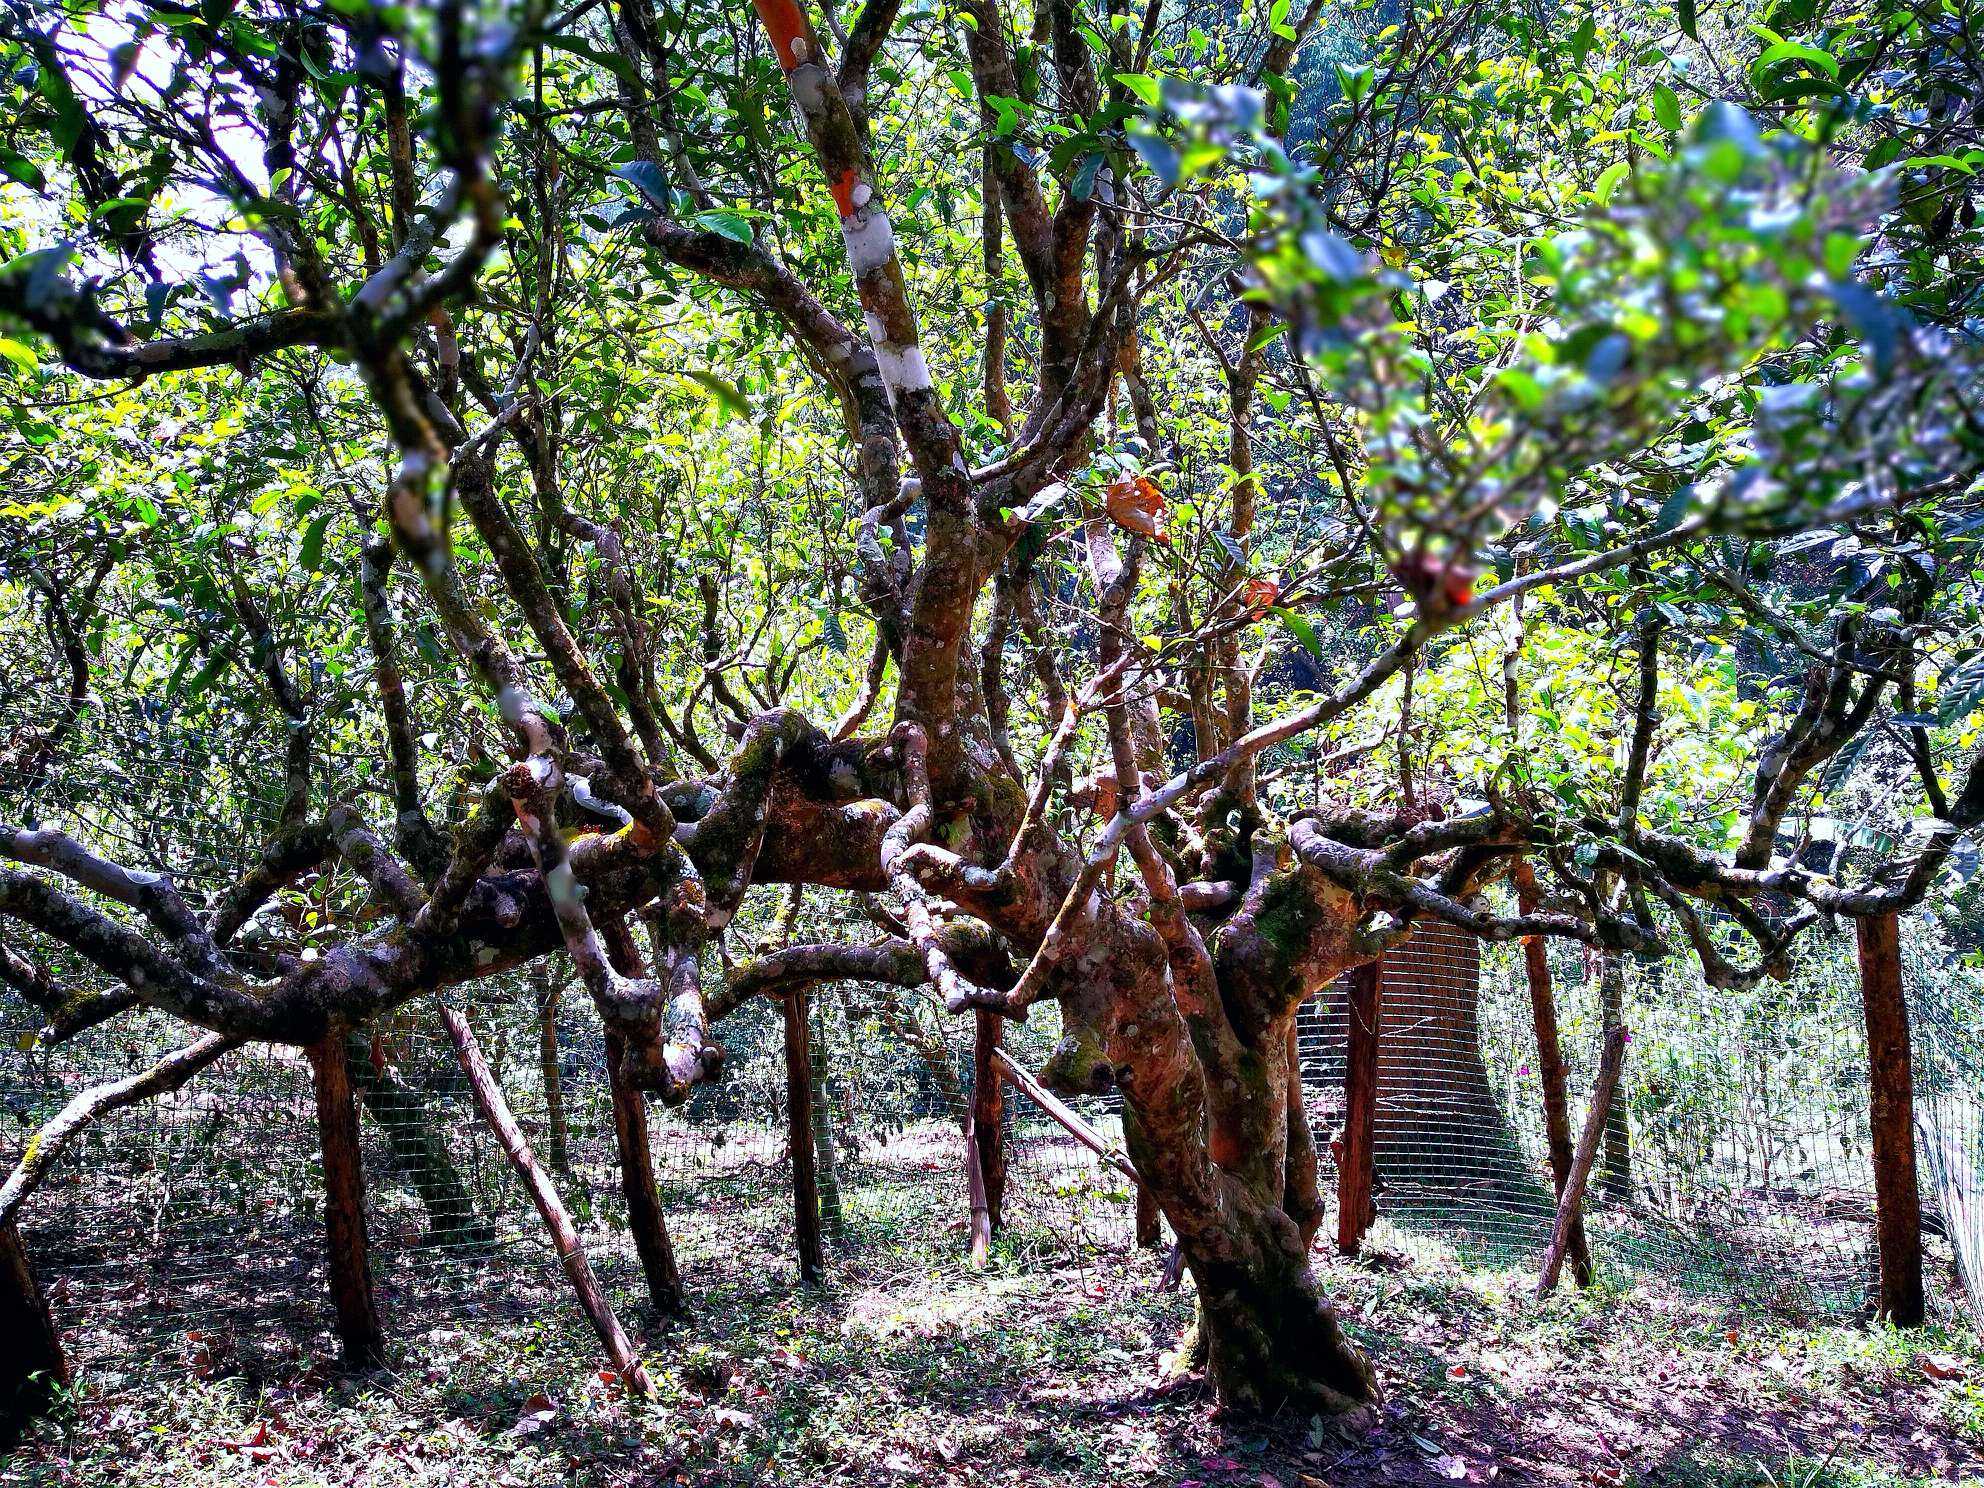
x: 1357, y: 1207
x: 638, y: 1184
x: 799, y: 1129
x: 1551, y: 1070
x: 988, y: 1111
x: 360, y: 1335
x: 1052, y: 1104
x: 1891, y: 1112
x: 833, y: 1216
x: 32, y: 1365
x: 975, y: 1198
x: 1609, y: 1064
x: 495, y: 1112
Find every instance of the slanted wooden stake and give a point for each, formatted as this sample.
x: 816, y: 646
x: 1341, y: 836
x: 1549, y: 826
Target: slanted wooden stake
x: 32, y: 1365
x: 1357, y: 1208
x: 1550, y: 1068
x: 1891, y: 1087
x: 359, y: 1332
x: 1052, y: 1104
x: 1572, y: 1199
x: 495, y: 1112
x: 799, y: 1128
x: 638, y: 1184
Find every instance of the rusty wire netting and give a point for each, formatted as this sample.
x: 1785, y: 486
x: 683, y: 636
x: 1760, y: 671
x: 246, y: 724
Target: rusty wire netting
x: 1736, y: 1160
x: 193, y: 1226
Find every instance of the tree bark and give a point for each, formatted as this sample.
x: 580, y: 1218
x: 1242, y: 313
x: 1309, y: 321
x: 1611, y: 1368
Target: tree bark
x: 1615, y: 1173
x: 1891, y: 1115
x: 33, y: 1368
x: 1552, y: 1073
x: 832, y: 1216
x: 988, y: 1113
x: 418, y: 1147
x: 799, y: 1130
x: 1356, y: 1171
x: 359, y: 1333
x: 638, y: 1184
x: 1609, y: 1064
x: 495, y: 1112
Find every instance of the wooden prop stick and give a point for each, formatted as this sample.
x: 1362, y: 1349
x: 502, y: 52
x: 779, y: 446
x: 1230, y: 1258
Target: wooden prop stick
x: 1568, y: 1206
x: 38, y: 1157
x: 1077, y: 1128
x: 495, y: 1111
x: 799, y: 1128
x: 360, y: 1335
x: 987, y: 1161
x: 1357, y: 1171
x: 1891, y: 1113
x: 1550, y: 1067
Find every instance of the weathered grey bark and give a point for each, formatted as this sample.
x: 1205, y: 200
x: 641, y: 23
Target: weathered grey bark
x: 1615, y: 1169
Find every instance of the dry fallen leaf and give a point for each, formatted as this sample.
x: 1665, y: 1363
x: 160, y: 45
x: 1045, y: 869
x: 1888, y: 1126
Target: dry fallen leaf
x: 538, y: 1412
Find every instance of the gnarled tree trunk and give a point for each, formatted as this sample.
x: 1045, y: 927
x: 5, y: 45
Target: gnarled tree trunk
x: 32, y: 1365
x: 1211, y: 1127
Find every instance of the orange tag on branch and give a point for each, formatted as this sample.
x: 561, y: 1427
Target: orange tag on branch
x: 1135, y: 504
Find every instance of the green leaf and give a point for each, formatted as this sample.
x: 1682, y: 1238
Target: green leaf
x: 312, y: 555
x: 1267, y: 335
x: 1145, y: 88
x: 1667, y: 109
x: 1302, y: 630
x: 1685, y: 15
x: 723, y: 390
x: 1609, y: 179
x: 730, y: 224
x: 22, y: 169
x: 1006, y: 114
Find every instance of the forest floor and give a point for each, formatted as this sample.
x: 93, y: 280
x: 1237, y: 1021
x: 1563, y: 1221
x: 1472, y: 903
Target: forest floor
x: 1048, y: 1369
